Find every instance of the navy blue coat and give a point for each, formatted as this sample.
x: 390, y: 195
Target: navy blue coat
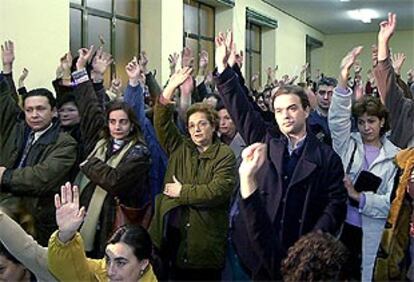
x: 319, y: 172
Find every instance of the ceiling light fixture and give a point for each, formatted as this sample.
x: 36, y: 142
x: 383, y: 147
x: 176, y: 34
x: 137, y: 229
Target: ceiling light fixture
x: 363, y: 15
x: 344, y: 0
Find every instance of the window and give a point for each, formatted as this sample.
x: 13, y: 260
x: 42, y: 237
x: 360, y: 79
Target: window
x: 253, y: 51
x: 116, y: 22
x: 199, y: 30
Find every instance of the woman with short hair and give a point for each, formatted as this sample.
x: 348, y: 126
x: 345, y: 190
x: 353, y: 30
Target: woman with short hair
x: 191, y: 217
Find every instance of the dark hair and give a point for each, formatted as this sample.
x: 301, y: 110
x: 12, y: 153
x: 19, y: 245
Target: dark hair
x: 43, y: 92
x: 210, y: 113
x: 316, y: 256
x: 329, y: 81
x: 119, y: 105
x: 135, y: 237
x: 294, y: 90
x: 4, y: 252
x: 14, y: 208
x: 371, y: 106
x: 66, y: 98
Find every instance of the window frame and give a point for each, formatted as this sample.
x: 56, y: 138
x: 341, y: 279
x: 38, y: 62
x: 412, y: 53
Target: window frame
x: 198, y: 37
x: 113, y: 17
x: 249, y: 50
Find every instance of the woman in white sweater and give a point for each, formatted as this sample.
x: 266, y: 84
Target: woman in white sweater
x: 369, y: 152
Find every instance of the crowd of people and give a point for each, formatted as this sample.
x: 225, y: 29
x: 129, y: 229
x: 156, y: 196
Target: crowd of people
x: 210, y: 177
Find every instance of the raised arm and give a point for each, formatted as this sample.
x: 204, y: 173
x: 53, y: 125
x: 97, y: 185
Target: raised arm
x: 339, y: 117
x: 8, y: 57
x: 65, y: 246
x: 24, y: 248
x: 9, y: 110
x: 90, y: 109
x: 400, y: 108
x: 248, y: 121
x: 167, y: 132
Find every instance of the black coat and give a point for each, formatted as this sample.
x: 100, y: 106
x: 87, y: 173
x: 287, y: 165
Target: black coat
x: 317, y: 177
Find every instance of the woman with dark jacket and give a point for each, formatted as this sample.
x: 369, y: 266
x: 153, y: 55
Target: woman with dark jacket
x: 117, y: 165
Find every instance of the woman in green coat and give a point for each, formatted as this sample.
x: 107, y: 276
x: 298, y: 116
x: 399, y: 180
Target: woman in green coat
x: 190, y: 224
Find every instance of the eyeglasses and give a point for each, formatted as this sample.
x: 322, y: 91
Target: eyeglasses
x: 201, y: 124
x: 324, y: 92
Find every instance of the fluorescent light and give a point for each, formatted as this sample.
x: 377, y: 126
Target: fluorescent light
x: 344, y: 0
x: 363, y: 15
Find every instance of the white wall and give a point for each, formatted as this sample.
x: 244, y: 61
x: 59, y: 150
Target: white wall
x: 40, y: 31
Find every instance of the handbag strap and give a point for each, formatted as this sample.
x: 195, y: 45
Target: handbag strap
x: 351, y: 161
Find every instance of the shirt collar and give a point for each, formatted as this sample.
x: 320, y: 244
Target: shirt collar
x: 299, y: 144
x: 37, y: 134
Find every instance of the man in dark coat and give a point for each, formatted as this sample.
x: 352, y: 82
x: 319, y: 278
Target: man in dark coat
x: 35, y: 156
x: 296, y: 188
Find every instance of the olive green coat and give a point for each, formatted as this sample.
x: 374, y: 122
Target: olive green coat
x: 208, y: 180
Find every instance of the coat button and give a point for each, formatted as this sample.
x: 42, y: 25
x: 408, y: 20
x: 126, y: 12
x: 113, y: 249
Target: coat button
x: 285, y: 177
x: 188, y: 224
x: 185, y: 260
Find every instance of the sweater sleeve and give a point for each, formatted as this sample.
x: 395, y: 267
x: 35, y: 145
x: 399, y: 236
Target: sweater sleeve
x: 339, y: 120
x: 24, y: 248
x: 400, y: 108
x: 68, y: 262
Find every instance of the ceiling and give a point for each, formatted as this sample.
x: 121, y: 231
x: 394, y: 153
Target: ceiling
x: 330, y: 16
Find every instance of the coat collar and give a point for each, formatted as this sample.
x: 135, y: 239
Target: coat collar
x: 51, y: 135
x: 211, y: 152
x: 310, y: 158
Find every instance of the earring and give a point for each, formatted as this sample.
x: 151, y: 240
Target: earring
x: 141, y: 273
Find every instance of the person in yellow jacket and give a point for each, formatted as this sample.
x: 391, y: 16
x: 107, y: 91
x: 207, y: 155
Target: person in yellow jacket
x: 127, y: 253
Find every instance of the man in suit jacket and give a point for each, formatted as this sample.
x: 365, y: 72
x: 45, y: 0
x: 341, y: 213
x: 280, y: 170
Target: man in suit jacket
x: 292, y: 185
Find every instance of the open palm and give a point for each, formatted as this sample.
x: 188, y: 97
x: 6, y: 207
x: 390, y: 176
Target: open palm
x: 68, y: 215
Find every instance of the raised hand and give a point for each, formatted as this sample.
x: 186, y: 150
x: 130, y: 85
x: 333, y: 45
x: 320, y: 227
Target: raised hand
x: 254, y: 81
x: 66, y: 65
x: 187, y: 58
x: 253, y: 158
x: 68, y: 215
x: 387, y: 29
x: 176, y: 80
x: 203, y: 62
x: 133, y: 71
x: 270, y: 75
x: 240, y: 58
x: 173, y: 60
x: 143, y: 62
x: 374, y: 55
x: 224, y: 43
x: 357, y: 66
x: 398, y: 60
x: 22, y: 77
x: 101, y: 61
x: 85, y: 55
x: 7, y: 56
x: 116, y: 86
x: 346, y: 64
